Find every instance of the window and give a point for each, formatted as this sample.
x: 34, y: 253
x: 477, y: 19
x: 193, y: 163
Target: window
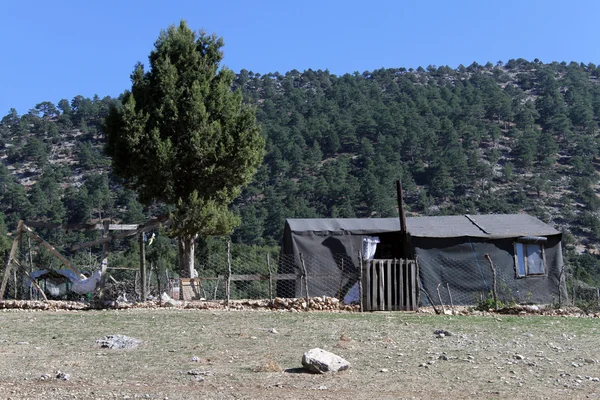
x: 530, y: 259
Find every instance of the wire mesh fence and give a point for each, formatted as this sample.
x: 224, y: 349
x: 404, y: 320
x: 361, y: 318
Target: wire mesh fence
x: 266, y: 276
x: 476, y: 280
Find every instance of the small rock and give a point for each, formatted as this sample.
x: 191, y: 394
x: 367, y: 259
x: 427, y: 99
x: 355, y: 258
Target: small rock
x: 590, y: 361
x: 442, y: 332
x: 443, y: 357
x: 118, y: 342
x: 383, y: 370
x: 519, y: 357
x: 196, y: 372
x: 63, y: 376
x: 22, y: 343
x: 321, y: 361
x: 322, y: 387
x: 45, y: 377
x: 273, y: 331
x: 195, y: 359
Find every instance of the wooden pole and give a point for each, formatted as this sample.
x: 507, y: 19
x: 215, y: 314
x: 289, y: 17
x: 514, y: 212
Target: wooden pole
x: 270, y: 278
x: 16, y: 290
x: 560, y: 301
x: 440, y: 297
x: 340, y: 294
x: 430, y: 300
x: 487, y: 256
x: 11, y: 258
x: 305, y: 275
x: 228, y: 285
x: 360, y: 280
x: 52, y: 250
x: 402, y: 215
x: 450, y: 295
x: 143, y: 267
x: 35, y: 285
x: 30, y: 255
x: 104, y: 263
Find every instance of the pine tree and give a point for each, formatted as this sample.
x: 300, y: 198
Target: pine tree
x: 184, y: 138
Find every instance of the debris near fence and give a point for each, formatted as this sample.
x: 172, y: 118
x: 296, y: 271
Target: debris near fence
x: 522, y: 310
x: 278, y: 304
x: 42, y: 305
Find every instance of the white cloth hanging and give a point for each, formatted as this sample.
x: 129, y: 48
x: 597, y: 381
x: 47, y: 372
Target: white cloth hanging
x: 369, y: 247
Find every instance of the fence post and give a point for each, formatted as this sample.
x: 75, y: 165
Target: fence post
x: 494, y: 280
x: 340, y: 295
x: 270, y: 279
x: 144, y: 293
x: 440, y: 297
x: 305, y: 275
x: 360, y: 280
x: 450, y: 296
x: 228, y: 285
x: 562, y: 271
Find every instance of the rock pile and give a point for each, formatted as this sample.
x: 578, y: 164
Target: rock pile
x: 41, y: 305
x: 323, y: 303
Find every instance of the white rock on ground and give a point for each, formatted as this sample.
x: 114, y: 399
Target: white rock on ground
x: 167, y: 301
x: 321, y: 361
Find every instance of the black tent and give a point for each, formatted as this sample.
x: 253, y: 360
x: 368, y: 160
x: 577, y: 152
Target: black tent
x: 450, y: 251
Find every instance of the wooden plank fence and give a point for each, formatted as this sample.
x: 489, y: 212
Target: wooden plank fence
x: 390, y: 285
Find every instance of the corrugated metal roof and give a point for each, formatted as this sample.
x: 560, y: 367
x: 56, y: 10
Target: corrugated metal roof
x: 484, y: 226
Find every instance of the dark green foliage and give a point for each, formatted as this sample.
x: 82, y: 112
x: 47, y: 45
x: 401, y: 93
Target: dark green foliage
x: 505, y: 138
x: 182, y: 137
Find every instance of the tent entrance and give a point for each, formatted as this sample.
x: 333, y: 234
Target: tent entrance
x: 390, y: 285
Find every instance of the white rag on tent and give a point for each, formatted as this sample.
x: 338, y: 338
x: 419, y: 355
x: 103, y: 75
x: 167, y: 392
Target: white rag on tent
x: 369, y: 248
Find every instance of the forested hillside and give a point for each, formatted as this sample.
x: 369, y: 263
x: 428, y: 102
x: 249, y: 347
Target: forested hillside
x: 494, y: 138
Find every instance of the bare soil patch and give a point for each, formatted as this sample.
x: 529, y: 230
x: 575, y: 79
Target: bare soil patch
x: 257, y: 355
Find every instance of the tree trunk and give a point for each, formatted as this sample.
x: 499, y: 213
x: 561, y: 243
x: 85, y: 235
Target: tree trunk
x: 186, y: 255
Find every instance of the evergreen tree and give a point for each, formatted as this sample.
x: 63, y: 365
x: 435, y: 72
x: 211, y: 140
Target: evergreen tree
x: 184, y: 138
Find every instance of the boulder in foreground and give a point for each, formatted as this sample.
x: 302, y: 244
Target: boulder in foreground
x: 321, y: 361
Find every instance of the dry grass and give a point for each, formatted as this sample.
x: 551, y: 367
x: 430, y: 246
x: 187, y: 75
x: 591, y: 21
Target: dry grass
x: 269, y: 365
x: 480, y: 356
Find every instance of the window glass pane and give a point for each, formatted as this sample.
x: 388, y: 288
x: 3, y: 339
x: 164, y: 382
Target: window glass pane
x: 535, y: 262
x: 520, y: 259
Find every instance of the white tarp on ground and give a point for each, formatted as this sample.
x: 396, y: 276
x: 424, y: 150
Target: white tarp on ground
x: 87, y: 285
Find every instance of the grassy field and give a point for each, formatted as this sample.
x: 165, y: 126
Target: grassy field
x: 393, y: 355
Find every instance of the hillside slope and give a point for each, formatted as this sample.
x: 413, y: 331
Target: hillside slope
x: 498, y: 138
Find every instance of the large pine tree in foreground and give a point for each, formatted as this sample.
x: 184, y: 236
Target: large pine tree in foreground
x: 183, y: 137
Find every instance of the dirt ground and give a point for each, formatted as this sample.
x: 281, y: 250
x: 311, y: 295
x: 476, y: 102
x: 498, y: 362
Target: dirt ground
x: 197, y: 354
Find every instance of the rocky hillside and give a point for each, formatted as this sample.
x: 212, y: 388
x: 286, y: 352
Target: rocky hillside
x: 520, y: 136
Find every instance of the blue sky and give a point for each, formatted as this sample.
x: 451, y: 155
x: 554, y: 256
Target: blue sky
x: 59, y: 49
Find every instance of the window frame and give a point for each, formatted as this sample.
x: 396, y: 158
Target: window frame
x: 524, y: 244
